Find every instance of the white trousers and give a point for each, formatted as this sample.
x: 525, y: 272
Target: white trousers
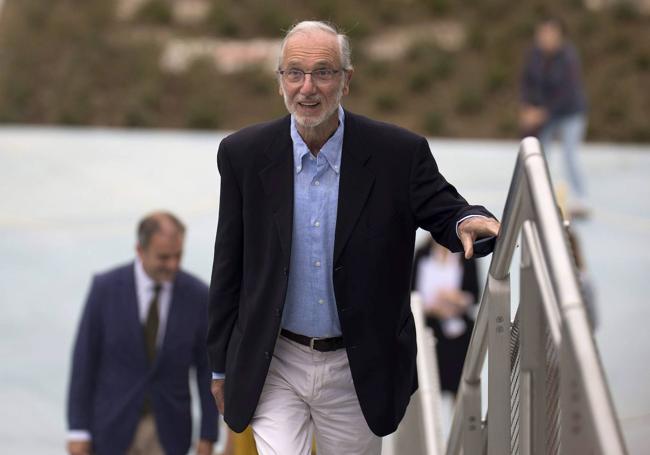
x: 307, y: 393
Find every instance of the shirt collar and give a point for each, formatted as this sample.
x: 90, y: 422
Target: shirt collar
x: 144, y: 281
x: 331, y: 150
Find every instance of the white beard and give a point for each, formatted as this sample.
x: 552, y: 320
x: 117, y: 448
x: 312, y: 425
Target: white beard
x: 313, y: 122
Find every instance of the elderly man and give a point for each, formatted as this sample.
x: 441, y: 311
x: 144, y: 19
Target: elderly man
x: 143, y: 327
x: 310, y: 329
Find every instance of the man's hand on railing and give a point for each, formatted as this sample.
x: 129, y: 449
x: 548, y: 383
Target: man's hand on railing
x: 475, y: 228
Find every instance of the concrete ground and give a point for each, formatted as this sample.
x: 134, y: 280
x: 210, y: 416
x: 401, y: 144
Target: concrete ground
x: 71, y: 199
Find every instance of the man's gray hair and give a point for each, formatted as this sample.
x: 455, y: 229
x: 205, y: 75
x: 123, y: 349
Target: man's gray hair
x: 310, y: 26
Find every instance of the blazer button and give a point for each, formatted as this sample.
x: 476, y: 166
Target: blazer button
x: 286, y: 271
x: 267, y: 355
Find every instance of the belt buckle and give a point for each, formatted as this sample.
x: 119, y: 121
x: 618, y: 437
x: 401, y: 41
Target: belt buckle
x: 311, y: 343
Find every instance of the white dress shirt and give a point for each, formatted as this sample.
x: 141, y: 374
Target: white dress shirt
x: 144, y: 288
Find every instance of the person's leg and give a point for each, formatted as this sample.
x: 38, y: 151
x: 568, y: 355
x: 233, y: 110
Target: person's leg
x: 281, y: 423
x: 572, y: 132
x: 546, y: 135
x: 145, y: 441
x: 339, y: 425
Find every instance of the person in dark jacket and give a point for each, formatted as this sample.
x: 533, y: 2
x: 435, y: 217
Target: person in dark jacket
x: 553, y: 102
x: 448, y: 285
x: 142, y: 329
x: 310, y: 330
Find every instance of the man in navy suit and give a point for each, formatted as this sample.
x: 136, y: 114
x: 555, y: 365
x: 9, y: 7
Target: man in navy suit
x: 142, y: 329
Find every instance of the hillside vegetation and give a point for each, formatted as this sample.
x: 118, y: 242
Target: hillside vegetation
x: 72, y: 62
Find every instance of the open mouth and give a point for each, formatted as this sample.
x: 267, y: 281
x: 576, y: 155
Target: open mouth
x: 309, y: 104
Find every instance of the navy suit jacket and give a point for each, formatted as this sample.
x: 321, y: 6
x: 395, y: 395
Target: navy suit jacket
x: 110, y: 373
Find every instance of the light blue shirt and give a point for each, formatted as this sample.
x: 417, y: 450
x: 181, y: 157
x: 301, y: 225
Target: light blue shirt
x: 310, y: 306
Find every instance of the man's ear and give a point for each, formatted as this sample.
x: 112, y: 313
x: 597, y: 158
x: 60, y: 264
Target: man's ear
x: 348, y: 78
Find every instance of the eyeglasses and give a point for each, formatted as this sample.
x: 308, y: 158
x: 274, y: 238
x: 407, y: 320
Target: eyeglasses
x: 295, y: 75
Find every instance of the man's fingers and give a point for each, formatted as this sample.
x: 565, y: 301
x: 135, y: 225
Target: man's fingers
x: 468, y: 245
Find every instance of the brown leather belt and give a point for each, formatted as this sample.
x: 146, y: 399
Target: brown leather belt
x: 319, y: 344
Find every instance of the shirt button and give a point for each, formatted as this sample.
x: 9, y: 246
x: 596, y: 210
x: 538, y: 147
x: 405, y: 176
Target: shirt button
x: 317, y: 263
x: 317, y: 223
x: 336, y: 168
x: 298, y: 168
x: 316, y: 183
x: 321, y: 301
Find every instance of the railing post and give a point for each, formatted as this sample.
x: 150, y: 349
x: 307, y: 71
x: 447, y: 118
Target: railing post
x: 499, y: 366
x: 472, y: 422
x: 532, y: 323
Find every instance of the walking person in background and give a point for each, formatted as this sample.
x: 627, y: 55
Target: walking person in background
x: 311, y: 331
x: 448, y: 285
x: 553, y: 103
x: 142, y: 329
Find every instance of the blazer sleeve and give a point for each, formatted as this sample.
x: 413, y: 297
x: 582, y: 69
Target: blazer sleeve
x: 209, y: 415
x: 435, y: 203
x: 225, y: 283
x: 85, y: 363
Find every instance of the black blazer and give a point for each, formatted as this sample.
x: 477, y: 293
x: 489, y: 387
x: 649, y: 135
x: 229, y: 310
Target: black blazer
x: 389, y: 185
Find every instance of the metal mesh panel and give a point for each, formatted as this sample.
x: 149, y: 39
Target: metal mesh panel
x: 514, y: 386
x: 553, y: 411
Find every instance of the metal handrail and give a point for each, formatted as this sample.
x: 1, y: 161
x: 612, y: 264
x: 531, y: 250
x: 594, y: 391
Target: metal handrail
x: 550, y: 299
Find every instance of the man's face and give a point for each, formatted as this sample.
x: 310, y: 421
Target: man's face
x: 313, y: 103
x: 161, y: 259
x: 549, y: 38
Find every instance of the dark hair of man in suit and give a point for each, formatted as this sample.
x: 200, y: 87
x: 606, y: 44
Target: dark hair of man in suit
x: 154, y: 223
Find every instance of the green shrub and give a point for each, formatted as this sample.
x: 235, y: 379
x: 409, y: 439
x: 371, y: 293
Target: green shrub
x: 442, y: 65
x: 438, y: 7
x: 625, y: 11
x: 258, y: 81
x: 377, y: 69
x: 476, y: 37
x: 386, y: 101
x: 272, y: 20
x: 220, y: 21
x: 498, y: 76
x: 508, y: 126
x: 202, y: 116
x: 420, y: 81
x: 640, y: 133
x: 469, y: 101
x: 642, y: 61
x: 157, y: 12
x: 589, y: 24
x: 433, y: 123
x: 615, y: 113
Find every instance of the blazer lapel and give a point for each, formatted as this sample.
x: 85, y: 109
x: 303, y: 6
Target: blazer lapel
x: 131, y: 313
x: 174, y: 321
x: 355, y: 184
x: 277, y: 180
